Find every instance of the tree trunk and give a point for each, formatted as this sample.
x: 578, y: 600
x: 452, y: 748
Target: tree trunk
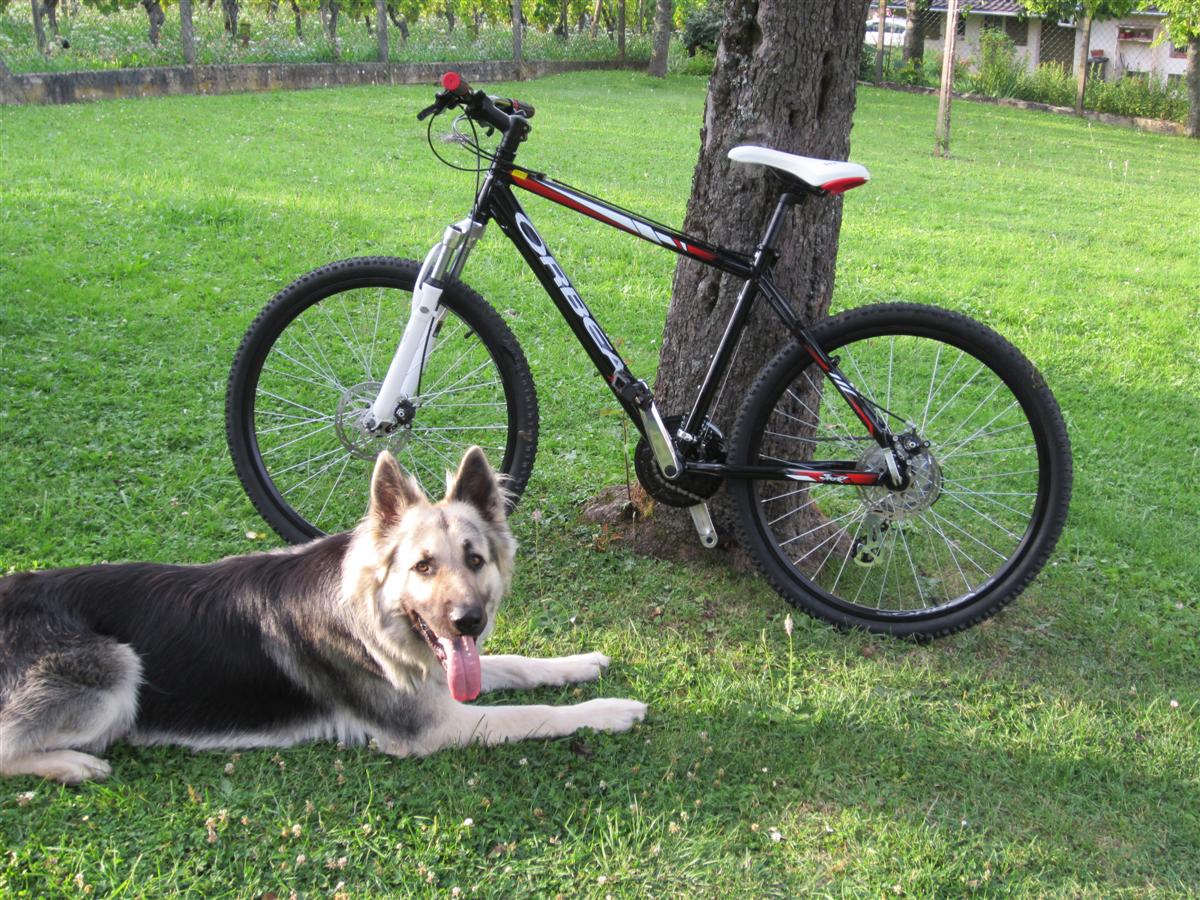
x: 516, y: 25
x: 400, y: 24
x: 785, y: 78
x: 299, y: 20
x: 561, y: 29
x: 1082, y: 63
x: 187, y: 32
x: 662, y: 39
x: 39, y: 32
x: 272, y: 10
x: 1193, y: 87
x: 596, y: 19
x: 914, y: 32
x: 381, y: 29
x: 154, y: 12
x: 51, y: 9
x: 230, y: 8
x: 449, y: 11
x: 620, y: 29
x: 332, y: 10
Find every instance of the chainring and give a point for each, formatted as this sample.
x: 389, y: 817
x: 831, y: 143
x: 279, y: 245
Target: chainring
x: 690, y: 488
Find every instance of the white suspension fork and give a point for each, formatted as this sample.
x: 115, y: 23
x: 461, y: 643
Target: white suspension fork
x: 403, y: 377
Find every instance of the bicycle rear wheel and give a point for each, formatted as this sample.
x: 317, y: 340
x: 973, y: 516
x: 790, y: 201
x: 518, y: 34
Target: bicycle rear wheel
x: 989, y: 490
x: 310, y: 366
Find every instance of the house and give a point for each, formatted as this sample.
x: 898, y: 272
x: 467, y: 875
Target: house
x: 1118, y: 47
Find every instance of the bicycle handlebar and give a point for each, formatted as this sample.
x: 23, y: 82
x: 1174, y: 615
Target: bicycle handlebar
x: 496, y: 112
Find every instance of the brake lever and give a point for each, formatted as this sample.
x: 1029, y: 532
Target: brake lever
x: 440, y: 103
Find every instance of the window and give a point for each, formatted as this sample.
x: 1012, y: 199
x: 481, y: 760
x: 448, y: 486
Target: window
x: 994, y: 23
x: 1179, y: 51
x: 960, y: 27
x: 1018, y: 30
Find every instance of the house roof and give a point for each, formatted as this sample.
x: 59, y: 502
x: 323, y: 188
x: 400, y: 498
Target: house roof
x: 1006, y: 8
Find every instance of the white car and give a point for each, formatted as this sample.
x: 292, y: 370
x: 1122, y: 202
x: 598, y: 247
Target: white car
x: 893, y: 33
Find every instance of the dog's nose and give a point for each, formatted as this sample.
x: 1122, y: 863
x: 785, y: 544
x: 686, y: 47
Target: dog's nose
x: 469, y: 620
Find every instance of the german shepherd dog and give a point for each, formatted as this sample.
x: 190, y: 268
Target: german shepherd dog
x: 370, y: 634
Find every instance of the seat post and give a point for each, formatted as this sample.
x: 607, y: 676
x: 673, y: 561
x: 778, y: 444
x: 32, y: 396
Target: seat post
x: 765, y: 254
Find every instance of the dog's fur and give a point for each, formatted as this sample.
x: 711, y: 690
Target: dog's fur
x: 331, y: 640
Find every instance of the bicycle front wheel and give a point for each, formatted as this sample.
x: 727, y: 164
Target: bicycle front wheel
x: 311, y: 365
x: 988, y: 490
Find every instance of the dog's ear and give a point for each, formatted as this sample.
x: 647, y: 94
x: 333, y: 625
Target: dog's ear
x: 477, y: 483
x: 392, y: 492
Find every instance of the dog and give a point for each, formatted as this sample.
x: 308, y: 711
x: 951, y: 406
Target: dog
x: 372, y: 634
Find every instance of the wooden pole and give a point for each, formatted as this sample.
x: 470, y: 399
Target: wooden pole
x: 1085, y: 46
x: 879, y: 41
x: 516, y: 22
x: 943, y: 120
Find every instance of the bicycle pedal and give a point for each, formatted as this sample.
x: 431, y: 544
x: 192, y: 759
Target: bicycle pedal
x: 704, y: 525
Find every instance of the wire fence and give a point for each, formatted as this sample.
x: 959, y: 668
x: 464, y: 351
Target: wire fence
x: 1131, y: 69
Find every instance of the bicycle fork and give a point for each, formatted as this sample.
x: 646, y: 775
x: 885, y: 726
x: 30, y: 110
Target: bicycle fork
x: 403, y: 378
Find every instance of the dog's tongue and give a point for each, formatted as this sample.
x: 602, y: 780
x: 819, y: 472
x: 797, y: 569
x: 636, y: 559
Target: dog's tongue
x: 462, y: 667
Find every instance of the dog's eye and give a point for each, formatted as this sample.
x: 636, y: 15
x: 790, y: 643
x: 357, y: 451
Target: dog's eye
x: 424, y: 567
x: 475, y: 561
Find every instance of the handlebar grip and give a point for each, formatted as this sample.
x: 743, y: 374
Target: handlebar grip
x: 454, y: 83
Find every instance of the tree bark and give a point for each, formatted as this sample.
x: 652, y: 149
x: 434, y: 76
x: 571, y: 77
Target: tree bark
x: 785, y: 78
x: 914, y: 33
x: 1193, y: 87
x: 187, y: 32
x: 381, y: 29
x: 154, y: 12
x: 662, y: 39
x: 299, y: 20
x: 39, y: 33
x: 272, y: 10
x: 1082, y: 62
x: 596, y: 19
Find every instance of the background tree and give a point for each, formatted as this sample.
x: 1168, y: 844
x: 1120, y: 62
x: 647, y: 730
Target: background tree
x: 1183, y: 27
x: 662, y: 39
x: 187, y: 32
x: 785, y: 78
x: 1085, y: 12
x: 39, y: 31
x: 914, y: 32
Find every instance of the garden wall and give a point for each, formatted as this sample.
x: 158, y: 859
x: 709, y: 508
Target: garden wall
x: 73, y: 87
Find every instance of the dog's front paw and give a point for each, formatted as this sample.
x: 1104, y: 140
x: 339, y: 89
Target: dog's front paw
x: 611, y: 714
x: 70, y: 767
x: 581, y: 667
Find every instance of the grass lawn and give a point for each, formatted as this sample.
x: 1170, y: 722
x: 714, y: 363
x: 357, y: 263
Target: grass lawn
x: 1053, y: 750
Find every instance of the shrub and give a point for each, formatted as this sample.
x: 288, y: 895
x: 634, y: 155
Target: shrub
x: 1000, y: 71
x: 1050, y: 83
x: 702, y: 28
x: 1138, y: 95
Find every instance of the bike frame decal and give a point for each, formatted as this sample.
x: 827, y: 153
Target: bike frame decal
x: 625, y: 221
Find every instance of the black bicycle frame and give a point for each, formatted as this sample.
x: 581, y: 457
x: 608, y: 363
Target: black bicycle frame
x: 497, y: 201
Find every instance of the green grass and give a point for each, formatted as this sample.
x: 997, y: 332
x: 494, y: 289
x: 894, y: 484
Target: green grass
x: 119, y: 39
x: 1054, y: 750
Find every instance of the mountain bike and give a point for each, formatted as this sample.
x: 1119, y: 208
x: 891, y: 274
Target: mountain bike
x: 899, y: 468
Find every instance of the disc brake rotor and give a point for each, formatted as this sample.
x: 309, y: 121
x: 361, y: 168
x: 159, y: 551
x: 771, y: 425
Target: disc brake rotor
x: 352, y: 410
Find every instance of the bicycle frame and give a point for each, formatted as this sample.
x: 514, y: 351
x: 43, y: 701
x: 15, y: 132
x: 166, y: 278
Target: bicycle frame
x: 496, y: 201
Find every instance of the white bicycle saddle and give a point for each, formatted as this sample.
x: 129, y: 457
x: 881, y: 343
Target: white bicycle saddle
x: 828, y: 175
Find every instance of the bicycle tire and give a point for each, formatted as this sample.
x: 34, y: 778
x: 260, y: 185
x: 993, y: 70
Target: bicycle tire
x: 1005, y: 495
x: 324, y: 343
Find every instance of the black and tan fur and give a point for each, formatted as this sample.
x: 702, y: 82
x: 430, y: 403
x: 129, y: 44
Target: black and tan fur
x: 321, y: 641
